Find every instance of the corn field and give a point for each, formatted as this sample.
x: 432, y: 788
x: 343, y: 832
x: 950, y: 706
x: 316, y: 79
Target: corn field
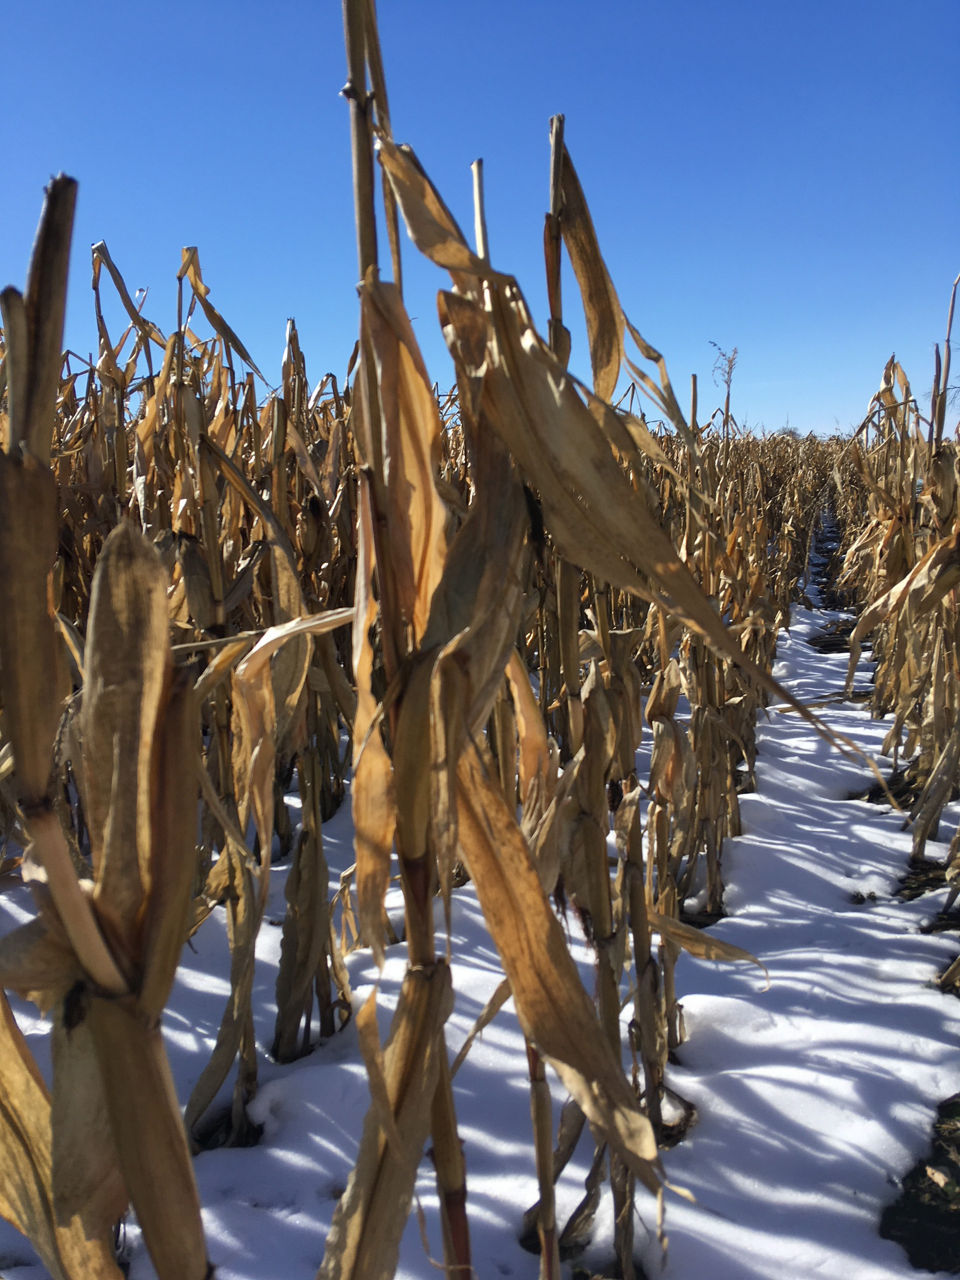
x: 461, y: 614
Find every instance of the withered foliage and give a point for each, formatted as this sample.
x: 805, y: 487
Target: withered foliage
x: 480, y: 605
x: 901, y: 565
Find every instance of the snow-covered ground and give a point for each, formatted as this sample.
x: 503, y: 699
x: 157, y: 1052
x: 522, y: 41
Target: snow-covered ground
x: 814, y: 1095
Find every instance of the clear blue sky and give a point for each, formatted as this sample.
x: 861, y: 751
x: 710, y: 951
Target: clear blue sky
x: 780, y: 178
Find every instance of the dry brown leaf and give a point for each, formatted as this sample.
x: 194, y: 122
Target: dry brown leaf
x: 150, y: 1137
x: 33, y: 408
x: 306, y: 939
x: 243, y: 921
x: 26, y: 1184
x: 127, y: 657
x: 256, y: 719
x: 430, y: 224
x: 364, y: 1238
x: 38, y: 962
x: 87, y: 1180
x: 290, y: 666
x: 149, y: 331
x: 554, y: 1010
x: 28, y: 549
x: 600, y: 303
x: 487, y: 1014
x: 416, y: 516
x: 369, y: 1037
x: 700, y: 943
x: 173, y: 868
x: 937, y: 573
x: 190, y: 267
x: 373, y: 802
x: 537, y: 773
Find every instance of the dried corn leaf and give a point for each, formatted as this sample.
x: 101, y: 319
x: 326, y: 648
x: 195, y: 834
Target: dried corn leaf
x: 594, y: 514
x: 195, y: 575
x: 600, y: 303
x: 662, y: 396
x: 145, y: 328
x: 28, y: 549
x: 306, y: 923
x: 430, y: 224
x: 633, y: 439
x: 698, y: 942
x: 537, y: 769
x: 283, y: 599
x: 937, y: 573
x: 190, y: 267
x: 127, y: 659
x: 219, y: 668
x: 487, y: 1014
x: 364, y: 1238
x: 26, y: 1190
x: 416, y: 516
x: 147, y: 427
x: 243, y: 921
x: 289, y: 668
x: 343, y: 691
x: 554, y: 1010
x: 414, y: 519
x: 550, y: 835
x: 173, y: 866
x: 255, y: 721
x: 87, y: 1180
x: 373, y: 797
x: 38, y: 962
x: 478, y: 603
x: 287, y: 603
x: 369, y: 1038
x: 32, y: 414
x: 304, y: 461
x: 150, y: 1137
x: 374, y: 813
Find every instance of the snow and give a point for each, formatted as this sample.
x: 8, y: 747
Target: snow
x: 815, y: 1093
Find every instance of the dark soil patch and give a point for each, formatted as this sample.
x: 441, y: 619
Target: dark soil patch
x: 903, y: 784
x: 943, y: 922
x: 529, y: 1239
x: 743, y: 781
x: 218, y: 1129
x: 860, y: 695
x: 673, y: 1132
x: 834, y: 638
x: 830, y: 597
x: 826, y: 564
x: 613, y: 1272
x: 922, y: 877
x: 925, y: 1219
x: 701, y: 919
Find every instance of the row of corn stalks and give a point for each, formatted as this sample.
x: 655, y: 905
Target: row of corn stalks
x: 481, y: 605
x: 896, y: 488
